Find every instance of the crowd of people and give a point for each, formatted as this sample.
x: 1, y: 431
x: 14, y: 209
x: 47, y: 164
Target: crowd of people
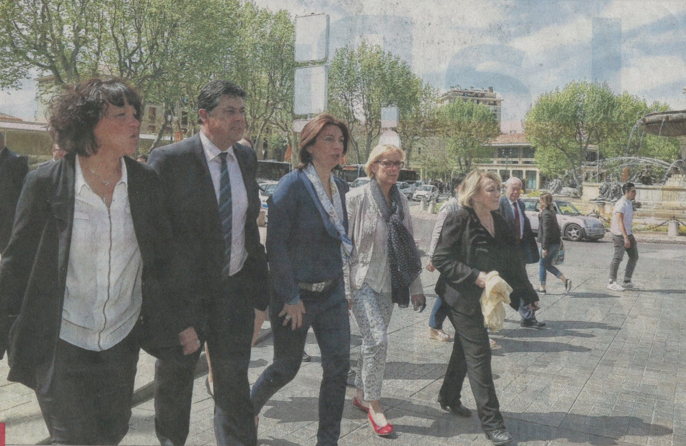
x: 108, y: 255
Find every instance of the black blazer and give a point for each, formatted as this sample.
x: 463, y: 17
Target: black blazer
x: 13, y: 169
x: 465, y: 248
x: 528, y: 247
x: 33, y: 269
x: 191, y: 204
x: 548, y: 229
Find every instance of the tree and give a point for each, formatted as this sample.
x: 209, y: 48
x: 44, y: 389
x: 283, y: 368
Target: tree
x: 467, y: 127
x: 366, y: 79
x: 418, y: 122
x: 564, y: 123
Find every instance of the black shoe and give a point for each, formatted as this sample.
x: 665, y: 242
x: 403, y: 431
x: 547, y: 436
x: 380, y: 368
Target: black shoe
x: 306, y: 357
x: 209, y: 386
x: 499, y: 437
x: 527, y: 323
x: 456, y: 409
x: 541, y: 291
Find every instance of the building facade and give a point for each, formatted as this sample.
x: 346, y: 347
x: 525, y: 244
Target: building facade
x: 486, y: 97
x: 513, y: 156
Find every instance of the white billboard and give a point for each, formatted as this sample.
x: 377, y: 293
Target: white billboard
x: 312, y: 38
x: 311, y: 87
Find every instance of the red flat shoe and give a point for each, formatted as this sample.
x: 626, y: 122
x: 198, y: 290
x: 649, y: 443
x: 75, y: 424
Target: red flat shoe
x: 382, y: 431
x: 359, y: 405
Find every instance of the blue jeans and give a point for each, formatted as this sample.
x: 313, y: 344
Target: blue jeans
x: 327, y: 314
x: 438, y: 315
x: 545, y: 264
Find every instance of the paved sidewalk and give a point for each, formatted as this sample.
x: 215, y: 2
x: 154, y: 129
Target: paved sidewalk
x: 607, y: 370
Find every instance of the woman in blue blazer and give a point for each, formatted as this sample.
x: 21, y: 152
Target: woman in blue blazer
x: 306, y: 247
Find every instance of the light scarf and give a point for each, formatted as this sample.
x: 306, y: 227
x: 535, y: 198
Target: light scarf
x: 334, y: 210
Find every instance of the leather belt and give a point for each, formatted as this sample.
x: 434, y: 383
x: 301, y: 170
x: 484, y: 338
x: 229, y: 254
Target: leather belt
x: 316, y: 287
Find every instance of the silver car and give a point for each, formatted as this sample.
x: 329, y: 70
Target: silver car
x: 405, y: 189
x: 426, y: 191
x: 573, y: 225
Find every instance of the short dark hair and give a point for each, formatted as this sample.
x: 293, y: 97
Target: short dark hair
x: 76, y: 111
x: 311, y: 131
x: 626, y: 187
x: 457, y: 180
x: 212, y: 92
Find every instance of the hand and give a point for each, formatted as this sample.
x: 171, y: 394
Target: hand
x: 189, y: 340
x: 481, y: 280
x: 293, y: 314
x: 418, y: 302
x: 627, y: 242
x: 430, y: 267
x: 544, y: 253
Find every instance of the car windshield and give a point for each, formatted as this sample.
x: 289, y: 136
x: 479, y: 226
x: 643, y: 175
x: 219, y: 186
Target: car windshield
x: 402, y: 185
x: 531, y: 205
x: 425, y: 188
x: 268, y: 189
x: 566, y: 208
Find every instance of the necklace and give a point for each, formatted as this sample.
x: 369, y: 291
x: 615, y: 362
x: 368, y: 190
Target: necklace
x: 99, y: 177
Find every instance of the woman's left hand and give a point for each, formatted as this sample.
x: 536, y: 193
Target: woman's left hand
x: 189, y: 341
x: 544, y: 253
x: 418, y: 302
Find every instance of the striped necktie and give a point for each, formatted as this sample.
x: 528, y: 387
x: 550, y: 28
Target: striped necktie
x: 225, y: 211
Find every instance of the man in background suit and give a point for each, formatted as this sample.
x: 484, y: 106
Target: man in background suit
x: 512, y: 209
x: 212, y: 200
x: 13, y: 169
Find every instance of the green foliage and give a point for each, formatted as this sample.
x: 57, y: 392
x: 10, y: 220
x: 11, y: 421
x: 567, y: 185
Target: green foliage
x: 467, y: 127
x: 366, y: 79
x: 564, y: 123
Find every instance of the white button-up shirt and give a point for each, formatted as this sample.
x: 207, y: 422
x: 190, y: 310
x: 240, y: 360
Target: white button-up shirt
x: 239, y: 199
x: 103, y: 296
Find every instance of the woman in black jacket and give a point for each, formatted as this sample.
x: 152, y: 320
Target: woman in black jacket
x: 475, y: 241
x: 550, y: 240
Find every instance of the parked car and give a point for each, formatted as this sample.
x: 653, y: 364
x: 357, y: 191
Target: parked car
x: 361, y: 181
x: 573, y: 225
x: 267, y: 188
x: 425, y: 191
x: 405, y: 189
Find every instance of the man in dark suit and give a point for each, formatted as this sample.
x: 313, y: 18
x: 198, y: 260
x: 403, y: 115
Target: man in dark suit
x: 512, y: 209
x: 212, y: 200
x: 13, y: 169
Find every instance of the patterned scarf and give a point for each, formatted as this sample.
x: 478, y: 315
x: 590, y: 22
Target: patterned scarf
x: 334, y: 210
x: 403, y: 257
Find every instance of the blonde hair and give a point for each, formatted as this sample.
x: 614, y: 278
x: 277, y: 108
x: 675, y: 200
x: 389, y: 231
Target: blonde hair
x: 546, y: 200
x: 377, y: 153
x: 472, y: 185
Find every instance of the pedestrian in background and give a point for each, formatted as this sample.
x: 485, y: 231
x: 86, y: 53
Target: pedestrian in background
x: 440, y: 311
x: 623, y: 239
x: 513, y: 210
x: 384, y: 270
x: 307, y: 246
x: 550, y: 239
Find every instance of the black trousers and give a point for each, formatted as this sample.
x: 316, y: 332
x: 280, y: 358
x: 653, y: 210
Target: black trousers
x: 85, y: 396
x: 472, y: 355
x: 228, y: 335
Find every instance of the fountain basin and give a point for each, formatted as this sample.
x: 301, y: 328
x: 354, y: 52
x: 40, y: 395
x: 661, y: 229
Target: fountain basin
x: 671, y: 123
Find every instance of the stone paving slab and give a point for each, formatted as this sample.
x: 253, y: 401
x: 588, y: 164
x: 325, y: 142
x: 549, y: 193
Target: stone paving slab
x: 607, y: 370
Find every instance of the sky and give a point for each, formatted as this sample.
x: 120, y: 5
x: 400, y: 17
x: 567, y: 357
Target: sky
x: 521, y: 48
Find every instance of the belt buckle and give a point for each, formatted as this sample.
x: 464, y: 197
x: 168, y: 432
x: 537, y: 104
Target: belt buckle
x: 318, y: 287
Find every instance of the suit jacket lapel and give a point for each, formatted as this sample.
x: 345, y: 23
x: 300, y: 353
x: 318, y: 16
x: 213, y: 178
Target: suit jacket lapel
x: 62, y: 207
x: 330, y: 228
x: 240, y: 159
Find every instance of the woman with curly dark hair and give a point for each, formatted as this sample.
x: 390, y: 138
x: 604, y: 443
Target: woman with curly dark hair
x: 87, y: 277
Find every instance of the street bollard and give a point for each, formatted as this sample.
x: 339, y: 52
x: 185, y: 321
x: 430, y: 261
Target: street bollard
x: 673, y: 228
x: 432, y: 205
x: 423, y: 204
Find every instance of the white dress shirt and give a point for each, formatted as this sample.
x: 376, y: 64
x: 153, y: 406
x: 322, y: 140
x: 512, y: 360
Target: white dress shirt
x: 521, y: 217
x: 103, y: 297
x: 239, y: 199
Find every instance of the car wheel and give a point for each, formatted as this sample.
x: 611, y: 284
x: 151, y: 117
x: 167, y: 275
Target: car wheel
x: 573, y: 232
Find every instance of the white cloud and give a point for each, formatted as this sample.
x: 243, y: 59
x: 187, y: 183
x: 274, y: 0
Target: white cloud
x: 635, y: 14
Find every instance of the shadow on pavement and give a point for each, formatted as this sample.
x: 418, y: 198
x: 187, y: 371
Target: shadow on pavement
x: 529, y: 346
x: 593, y: 295
x: 561, y: 328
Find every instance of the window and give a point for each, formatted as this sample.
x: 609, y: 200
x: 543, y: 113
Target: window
x: 531, y: 179
x: 152, y: 114
x: 528, y: 152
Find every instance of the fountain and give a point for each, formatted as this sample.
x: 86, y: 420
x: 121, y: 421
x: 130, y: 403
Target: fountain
x: 657, y: 201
